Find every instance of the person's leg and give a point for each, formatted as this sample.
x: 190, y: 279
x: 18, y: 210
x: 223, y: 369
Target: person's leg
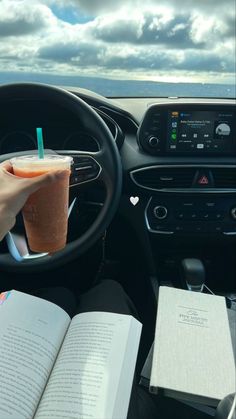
x: 60, y: 296
x: 108, y: 295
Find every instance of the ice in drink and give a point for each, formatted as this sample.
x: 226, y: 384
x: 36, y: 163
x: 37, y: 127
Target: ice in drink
x: 45, y: 213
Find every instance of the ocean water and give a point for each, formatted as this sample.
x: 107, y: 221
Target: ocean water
x: 123, y: 88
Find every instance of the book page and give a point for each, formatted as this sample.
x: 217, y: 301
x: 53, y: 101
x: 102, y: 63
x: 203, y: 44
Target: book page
x: 32, y: 331
x: 147, y: 368
x: 86, y: 381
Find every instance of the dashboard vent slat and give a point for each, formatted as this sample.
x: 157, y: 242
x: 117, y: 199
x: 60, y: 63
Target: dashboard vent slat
x: 224, y: 177
x: 162, y: 178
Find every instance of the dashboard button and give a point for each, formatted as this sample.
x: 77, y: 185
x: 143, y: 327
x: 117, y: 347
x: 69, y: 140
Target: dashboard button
x: 180, y: 215
x: 161, y: 228
x: 210, y: 204
x: 199, y: 228
x: 160, y: 212
x: 203, y: 179
x: 179, y: 229
x: 188, y: 204
x: 218, y: 215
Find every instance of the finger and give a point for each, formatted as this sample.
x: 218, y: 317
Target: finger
x: 6, y: 165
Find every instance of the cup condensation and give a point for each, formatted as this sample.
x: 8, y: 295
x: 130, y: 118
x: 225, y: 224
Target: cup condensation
x: 45, y: 213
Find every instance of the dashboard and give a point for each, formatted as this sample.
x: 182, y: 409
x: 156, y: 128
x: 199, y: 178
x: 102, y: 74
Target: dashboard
x: 178, y: 155
x: 61, y: 131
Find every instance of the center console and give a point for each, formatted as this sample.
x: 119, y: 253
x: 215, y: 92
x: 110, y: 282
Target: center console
x: 192, y: 186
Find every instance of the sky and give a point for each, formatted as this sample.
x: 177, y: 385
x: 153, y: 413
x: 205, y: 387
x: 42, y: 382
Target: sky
x: 181, y: 40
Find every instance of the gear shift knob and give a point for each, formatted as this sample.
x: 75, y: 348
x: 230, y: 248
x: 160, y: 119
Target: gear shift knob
x: 194, y: 274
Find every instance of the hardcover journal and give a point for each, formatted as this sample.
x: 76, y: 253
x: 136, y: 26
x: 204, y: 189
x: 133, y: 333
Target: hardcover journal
x: 193, y: 354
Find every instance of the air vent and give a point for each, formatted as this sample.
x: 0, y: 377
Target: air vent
x: 164, y: 178
x: 224, y: 177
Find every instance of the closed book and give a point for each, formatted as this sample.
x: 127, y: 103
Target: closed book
x: 193, y: 355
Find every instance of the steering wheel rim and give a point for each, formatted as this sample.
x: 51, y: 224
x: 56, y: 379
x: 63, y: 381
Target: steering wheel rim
x: 108, y: 159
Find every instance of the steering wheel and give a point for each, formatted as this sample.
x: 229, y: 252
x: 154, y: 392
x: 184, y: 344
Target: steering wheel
x: 103, y: 165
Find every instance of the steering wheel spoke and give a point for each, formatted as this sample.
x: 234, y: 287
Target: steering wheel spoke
x: 85, y: 169
x: 90, y: 167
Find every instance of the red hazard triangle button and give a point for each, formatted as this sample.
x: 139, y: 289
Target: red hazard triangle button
x: 203, y: 180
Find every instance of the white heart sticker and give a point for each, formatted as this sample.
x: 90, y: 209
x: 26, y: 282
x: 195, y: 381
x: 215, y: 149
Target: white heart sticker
x: 134, y: 200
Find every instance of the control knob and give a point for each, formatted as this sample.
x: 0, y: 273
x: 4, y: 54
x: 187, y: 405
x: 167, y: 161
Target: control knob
x: 153, y: 142
x: 160, y: 212
x: 233, y: 213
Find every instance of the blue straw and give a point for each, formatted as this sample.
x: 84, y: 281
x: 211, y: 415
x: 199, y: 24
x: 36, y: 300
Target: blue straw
x: 40, y: 143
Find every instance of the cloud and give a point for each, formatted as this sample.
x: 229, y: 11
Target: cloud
x: 152, y: 60
x: 149, y: 28
x: 128, y: 58
x: 230, y: 26
x: 147, y: 41
x: 95, y: 7
x: 22, y: 18
x: 99, y: 7
x: 163, y: 28
x: 206, y: 61
x: 83, y: 54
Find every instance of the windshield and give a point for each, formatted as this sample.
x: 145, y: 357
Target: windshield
x: 123, y: 47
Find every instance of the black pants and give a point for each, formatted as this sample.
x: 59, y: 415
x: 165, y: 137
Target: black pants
x: 106, y: 296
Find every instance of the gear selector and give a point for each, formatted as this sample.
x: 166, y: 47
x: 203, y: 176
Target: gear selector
x: 194, y: 274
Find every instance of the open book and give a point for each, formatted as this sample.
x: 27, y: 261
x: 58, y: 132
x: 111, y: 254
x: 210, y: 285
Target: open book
x: 193, y: 356
x: 54, y: 367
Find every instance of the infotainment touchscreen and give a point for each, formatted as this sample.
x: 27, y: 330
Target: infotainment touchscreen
x: 201, y: 131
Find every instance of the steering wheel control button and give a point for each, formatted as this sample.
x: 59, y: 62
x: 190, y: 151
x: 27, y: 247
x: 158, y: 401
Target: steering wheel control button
x: 84, y: 169
x: 160, y: 212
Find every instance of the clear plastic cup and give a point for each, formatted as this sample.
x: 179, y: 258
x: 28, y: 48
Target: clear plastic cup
x: 45, y: 213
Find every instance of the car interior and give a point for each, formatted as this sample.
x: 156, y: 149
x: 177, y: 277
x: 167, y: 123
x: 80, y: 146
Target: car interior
x: 142, y: 97
x: 152, y: 197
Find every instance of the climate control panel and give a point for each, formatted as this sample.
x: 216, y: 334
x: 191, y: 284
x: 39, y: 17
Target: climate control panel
x: 192, y: 214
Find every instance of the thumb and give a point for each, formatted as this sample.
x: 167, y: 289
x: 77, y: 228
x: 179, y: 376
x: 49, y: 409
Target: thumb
x: 37, y: 182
